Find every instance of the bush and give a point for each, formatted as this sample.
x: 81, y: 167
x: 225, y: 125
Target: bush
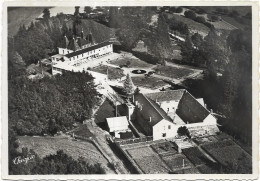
x: 190, y: 14
x: 172, y: 9
x: 179, y: 10
x: 200, y: 19
x: 201, y: 11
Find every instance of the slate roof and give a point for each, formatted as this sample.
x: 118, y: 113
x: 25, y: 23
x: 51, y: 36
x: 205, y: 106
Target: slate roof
x: 88, y: 49
x: 190, y: 110
x: 162, y: 96
x: 73, y: 45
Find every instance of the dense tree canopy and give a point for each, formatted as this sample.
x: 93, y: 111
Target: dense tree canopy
x: 50, y: 105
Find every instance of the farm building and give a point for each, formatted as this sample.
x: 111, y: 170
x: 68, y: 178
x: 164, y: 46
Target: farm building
x: 78, y: 51
x: 119, y: 126
x: 160, y: 114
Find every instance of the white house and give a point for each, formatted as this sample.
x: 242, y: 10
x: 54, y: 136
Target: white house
x: 162, y: 113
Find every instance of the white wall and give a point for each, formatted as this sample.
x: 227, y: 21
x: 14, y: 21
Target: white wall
x: 64, y: 51
x: 163, y: 127
x: 169, y: 105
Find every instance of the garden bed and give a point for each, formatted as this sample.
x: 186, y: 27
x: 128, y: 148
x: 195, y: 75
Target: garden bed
x: 176, y: 161
x: 195, y: 155
x: 165, y: 147
x: 152, y: 165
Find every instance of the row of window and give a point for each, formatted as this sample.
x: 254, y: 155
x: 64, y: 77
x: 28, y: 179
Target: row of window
x: 93, y: 51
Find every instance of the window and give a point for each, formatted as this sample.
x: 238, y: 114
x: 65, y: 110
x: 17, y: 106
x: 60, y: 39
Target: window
x: 164, y: 135
x: 169, y: 126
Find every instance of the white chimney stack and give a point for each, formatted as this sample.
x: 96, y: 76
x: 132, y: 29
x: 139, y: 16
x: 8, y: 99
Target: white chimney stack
x: 150, y: 119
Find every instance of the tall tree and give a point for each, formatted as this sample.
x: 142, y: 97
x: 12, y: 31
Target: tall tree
x: 129, y: 85
x: 87, y: 9
x: 46, y: 14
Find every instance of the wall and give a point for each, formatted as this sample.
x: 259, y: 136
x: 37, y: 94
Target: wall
x: 163, y: 127
x: 64, y: 51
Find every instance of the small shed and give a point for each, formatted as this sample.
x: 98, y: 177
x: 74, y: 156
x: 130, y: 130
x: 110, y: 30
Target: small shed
x: 117, y: 125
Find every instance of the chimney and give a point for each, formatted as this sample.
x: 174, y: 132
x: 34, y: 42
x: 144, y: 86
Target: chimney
x: 211, y: 111
x: 205, y: 106
x: 150, y: 119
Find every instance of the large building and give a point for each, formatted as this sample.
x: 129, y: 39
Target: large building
x: 161, y: 114
x: 75, y: 54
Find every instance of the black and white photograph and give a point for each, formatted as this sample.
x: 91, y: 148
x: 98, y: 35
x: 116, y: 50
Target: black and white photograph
x: 119, y: 90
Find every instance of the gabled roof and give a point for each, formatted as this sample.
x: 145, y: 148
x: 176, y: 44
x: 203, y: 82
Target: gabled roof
x: 88, y: 49
x: 162, y: 96
x: 117, y: 123
x: 190, y: 110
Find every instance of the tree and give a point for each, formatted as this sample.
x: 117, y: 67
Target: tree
x: 197, y: 39
x: 46, y: 14
x: 87, y: 9
x: 76, y: 13
x: 200, y: 19
x: 172, y: 9
x: 190, y: 14
x: 128, y: 85
x: 183, y: 131
x: 179, y: 10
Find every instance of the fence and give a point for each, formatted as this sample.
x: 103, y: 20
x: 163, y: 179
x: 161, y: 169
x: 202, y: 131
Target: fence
x: 135, y: 140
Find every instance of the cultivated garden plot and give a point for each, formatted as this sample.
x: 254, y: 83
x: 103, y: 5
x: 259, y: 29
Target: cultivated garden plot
x: 140, y: 152
x: 152, y: 165
x: 195, y: 155
x: 175, y: 162
x: 173, y: 72
x: 113, y: 73
x: 229, y: 155
x: 165, y: 147
x: 148, y: 82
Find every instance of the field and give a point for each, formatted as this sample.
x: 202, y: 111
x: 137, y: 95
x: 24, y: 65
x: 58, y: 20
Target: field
x: 133, y: 62
x: 148, y: 82
x: 223, y: 25
x: 20, y: 16
x: 233, y: 22
x: 82, y: 130
x: 173, y: 72
x: 113, y: 73
x: 44, y: 146
x: 193, y: 25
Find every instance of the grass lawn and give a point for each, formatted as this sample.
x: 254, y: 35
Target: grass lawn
x: 148, y: 82
x: 106, y: 110
x: 133, y: 62
x: 83, y: 130
x: 173, y: 72
x: 113, y: 73
x: 44, y: 146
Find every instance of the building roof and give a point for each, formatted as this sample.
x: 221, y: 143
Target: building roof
x: 190, y: 110
x: 87, y: 49
x: 73, y: 45
x: 172, y: 95
x: 117, y: 123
